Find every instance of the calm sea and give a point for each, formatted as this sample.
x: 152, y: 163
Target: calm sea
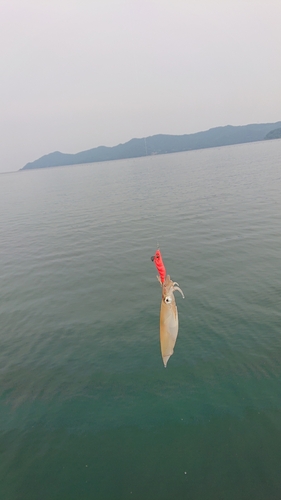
x: 87, y: 410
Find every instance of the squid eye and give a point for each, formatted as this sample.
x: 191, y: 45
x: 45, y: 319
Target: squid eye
x: 167, y: 300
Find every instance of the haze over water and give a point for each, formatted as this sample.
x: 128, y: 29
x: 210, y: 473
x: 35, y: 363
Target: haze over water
x: 87, y: 409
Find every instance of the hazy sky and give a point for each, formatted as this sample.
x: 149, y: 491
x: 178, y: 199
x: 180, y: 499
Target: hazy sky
x: 76, y: 74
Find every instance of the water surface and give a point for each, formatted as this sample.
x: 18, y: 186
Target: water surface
x: 87, y: 409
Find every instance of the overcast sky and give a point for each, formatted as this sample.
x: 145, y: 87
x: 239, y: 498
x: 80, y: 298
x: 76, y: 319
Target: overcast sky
x: 76, y: 74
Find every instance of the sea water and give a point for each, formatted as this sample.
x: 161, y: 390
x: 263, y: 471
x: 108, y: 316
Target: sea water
x: 87, y: 409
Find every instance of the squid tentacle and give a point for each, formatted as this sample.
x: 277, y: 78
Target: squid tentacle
x: 178, y: 289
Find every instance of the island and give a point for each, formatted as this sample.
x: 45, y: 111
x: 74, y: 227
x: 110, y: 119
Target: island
x: 162, y: 144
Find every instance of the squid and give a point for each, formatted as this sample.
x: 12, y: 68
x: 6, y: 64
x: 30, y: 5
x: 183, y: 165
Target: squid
x: 169, y: 323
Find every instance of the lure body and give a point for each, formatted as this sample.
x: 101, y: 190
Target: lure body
x: 169, y: 323
x: 158, y: 261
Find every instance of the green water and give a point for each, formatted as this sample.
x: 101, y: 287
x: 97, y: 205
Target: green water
x: 87, y: 410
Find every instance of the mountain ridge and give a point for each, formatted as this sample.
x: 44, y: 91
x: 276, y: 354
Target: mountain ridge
x: 159, y: 144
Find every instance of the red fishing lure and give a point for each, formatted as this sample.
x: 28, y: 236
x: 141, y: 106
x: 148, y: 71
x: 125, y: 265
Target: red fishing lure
x: 158, y: 261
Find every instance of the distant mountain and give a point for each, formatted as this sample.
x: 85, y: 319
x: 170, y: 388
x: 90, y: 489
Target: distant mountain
x: 160, y: 144
x: 274, y: 134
